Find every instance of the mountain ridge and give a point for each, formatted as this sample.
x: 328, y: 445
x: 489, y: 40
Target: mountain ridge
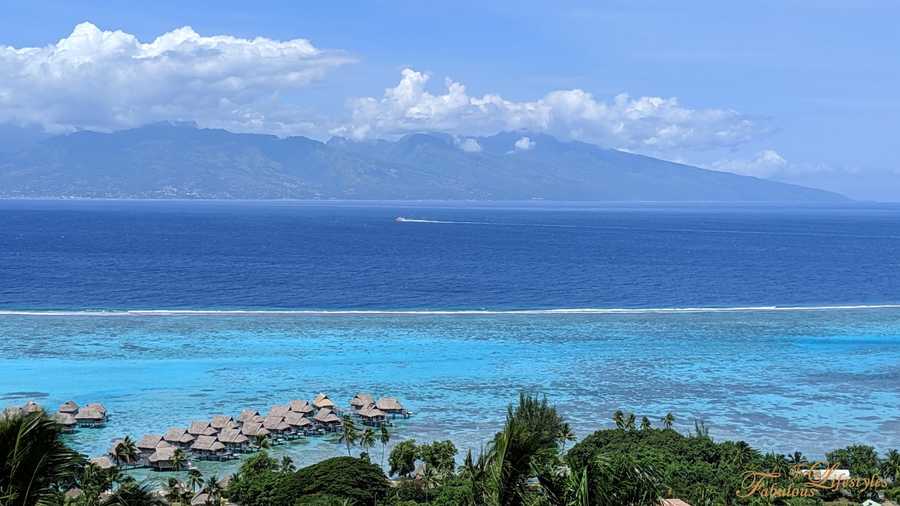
x: 180, y: 160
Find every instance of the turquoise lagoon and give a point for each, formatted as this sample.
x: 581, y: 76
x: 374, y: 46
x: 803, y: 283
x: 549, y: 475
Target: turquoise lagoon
x: 783, y: 380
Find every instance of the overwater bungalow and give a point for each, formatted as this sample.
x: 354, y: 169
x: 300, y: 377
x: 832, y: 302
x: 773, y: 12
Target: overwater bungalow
x: 70, y: 407
x: 299, y: 423
x: 103, y: 462
x: 208, y: 447
x: 246, y: 415
x: 234, y: 440
x: 279, y: 411
x: 163, y: 459
x: 178, y: 437
x: 99, y: 407
x: 302, y: 407
x: 326, y: 419
x: 220, y: 422
x: 66, y: 421
x: 150, y: 443
x: 360, y: 401
x: 322, y: 401
x: 201, y: 428
x: 88, y: 416
x: 276, y: 425
x: 254, y: 429
x: 391, y: 406
x: 32, y: 407
x: 372, y: 416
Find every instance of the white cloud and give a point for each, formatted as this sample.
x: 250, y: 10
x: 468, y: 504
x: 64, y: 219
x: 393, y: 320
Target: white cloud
x: 469, y: 145
x: 109, y: 79
x: 524, y: 144
x: 646, y: 124
x: 766, y: 163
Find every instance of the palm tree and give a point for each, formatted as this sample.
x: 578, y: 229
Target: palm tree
x: 173, y: 490
x: 213, y: 488
x: 890, y: 467
x: 668, y: 420
x: 126, y: 451
x: 619, y: 419
x: 618, y: 479
x: 367, y: 440
x: 797, y: 458
x: 33, y: 459
x: 262, y: 442
x: 134, y: 493
x: 349, y: 433
x: 566, y: 434
x: 194, y: 479
x: 287, y: 464
x: 629, y: 421
x: 178, y: 459
x: 385, y: 438
x: 645, y: 423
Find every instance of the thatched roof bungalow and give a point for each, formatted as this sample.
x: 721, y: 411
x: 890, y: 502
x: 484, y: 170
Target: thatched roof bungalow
x: 103, y: 462
x: 90, y: 417
x: 361, y: 400
x: 99, y: 407
x: 276, y: 424
x: 178, y: 436
x: 279, y: 411
x: 220, y: 422
x: 201, y: 428
x: 149, y: 443
x: 372, y: 415
x: 302, y: 407
x: 70, y: 407
x: 234, y: 439
x: 246, y: 415
x: 163, y: 458
x: 390, y: 406
x: 254, y: 429
x: 297, y: 420
x: 66, y: 421
x: 32, y: 407
x: 322, y: 401
x: 207, y: 446
x: 326, y: 418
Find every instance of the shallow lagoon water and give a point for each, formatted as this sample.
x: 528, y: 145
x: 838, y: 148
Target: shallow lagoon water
x: 782, y: 380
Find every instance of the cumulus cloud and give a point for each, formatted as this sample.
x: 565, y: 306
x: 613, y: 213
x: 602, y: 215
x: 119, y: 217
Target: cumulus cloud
x: 109, y: 79
x: 469, y: 145
x: 524, y: 144
x: 646, y: 124
x: 766, y: 163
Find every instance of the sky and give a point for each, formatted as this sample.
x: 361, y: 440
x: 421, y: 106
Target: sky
x: 806, y: 92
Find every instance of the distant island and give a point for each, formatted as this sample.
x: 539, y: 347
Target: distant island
x: 179, y: 160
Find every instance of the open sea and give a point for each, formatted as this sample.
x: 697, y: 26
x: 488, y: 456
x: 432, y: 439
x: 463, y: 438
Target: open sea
x: 776, y: 325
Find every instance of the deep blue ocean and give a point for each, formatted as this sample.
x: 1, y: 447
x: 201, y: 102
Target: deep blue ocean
x: 776, y: 325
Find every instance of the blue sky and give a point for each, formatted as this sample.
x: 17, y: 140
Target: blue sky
x: 804, y: 92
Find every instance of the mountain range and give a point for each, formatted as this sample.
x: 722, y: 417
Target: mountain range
x: 180, y: 160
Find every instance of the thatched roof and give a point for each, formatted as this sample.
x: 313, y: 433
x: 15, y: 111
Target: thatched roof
x: 207, y: 444
x: 70, y: 407
x: 279, y: 410
x: 220, y: 422
x: 10, y: 411
x: 389, y: 404
x: 322, y: 401
x: 89, y: 413
x: 275, y: 423
x: 149, y: 442
x: 232, y: 436
x: 99, y: 407
x: 178, y: 435
x: 673, y: 502
x: 201, y: 428
x: 103, y: 462
x: 296, y: 419
x: 200, y: 499
x: 361, y: 400
x: 325, y: 415
x: 64, y: 419
x: 162, y: 455
x: 371, y: 411
x: 252, y: 429
x: 31, y: 407
x: 246, y: 415
x: 298, y: 406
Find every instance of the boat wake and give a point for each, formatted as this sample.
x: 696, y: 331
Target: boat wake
x: 429, y: 312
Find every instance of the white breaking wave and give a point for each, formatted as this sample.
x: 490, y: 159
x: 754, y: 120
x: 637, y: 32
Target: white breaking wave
x: 429, y: 312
